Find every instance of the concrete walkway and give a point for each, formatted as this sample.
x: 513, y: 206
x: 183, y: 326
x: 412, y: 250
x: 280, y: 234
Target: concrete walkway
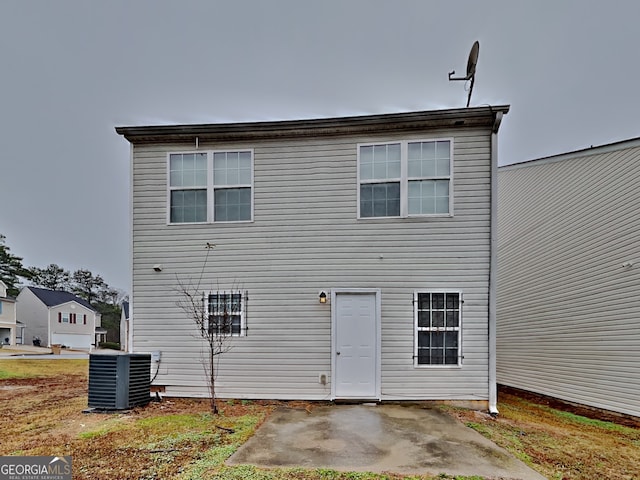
x: 22, y: 351
x: 378, y: 438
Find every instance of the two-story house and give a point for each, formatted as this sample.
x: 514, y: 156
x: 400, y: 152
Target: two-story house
x: 356, y: 255
x: 59, y: 318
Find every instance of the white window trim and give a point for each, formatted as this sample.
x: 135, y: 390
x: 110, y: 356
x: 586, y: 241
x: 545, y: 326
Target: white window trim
x: 242, y: 313
x: 415, y: 329
x: 404, y: 177
x: 210, y: 186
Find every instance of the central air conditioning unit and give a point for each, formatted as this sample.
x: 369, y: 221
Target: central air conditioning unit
x: 118, y: 382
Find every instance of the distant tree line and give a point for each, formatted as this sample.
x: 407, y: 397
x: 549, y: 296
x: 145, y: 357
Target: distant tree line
x: 82, y: 283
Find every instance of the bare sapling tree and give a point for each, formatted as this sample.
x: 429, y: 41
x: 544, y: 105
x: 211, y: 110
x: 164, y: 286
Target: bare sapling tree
x: 216, y: 316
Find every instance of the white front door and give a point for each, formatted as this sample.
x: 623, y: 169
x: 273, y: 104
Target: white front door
x: 356, y: 346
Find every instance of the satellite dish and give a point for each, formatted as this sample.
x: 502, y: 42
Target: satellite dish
x: 471, y: 68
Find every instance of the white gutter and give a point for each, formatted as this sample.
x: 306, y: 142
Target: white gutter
x: 493, y: 267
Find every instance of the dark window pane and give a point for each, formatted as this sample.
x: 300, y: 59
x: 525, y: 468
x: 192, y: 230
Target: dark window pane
x: 424, y: 318
x: 451, y: 339
x: 188, y: 206
x: 437, y: 357
x: 366, y: 209
x: 424, y: 302
x: 423, y: 357
x: 437, y: 339
x: 366, y: 193
x: 393, y: 191
x: 438, y: 319
x: 452, y: 319
x: 235, y: 327
x: 380, y: 200
x: 437, y: 300
x: 451, y: 356
x: 453, y: 301
x: 424, y: 340
x: 232, y: 204
x: 380, y: 208
x: 393, y: 207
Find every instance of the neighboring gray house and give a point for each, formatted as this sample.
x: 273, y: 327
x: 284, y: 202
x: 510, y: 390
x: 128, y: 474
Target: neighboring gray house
x: 8, y: 325
x: 569, y: 276
x: 59, y: 318
x: 355, y: 254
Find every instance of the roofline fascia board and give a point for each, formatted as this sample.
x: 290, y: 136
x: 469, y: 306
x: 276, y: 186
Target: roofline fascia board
x: 584, y: 153
x: 392, y: 122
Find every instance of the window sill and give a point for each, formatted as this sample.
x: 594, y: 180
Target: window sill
x: 409, y: 217
x: 422, y: 367
x: 182, y: 224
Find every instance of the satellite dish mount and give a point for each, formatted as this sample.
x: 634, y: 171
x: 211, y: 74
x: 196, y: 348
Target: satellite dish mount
x: 471, y: 69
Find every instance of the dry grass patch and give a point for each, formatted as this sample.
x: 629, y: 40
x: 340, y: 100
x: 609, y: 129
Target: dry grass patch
x: 559, y: 444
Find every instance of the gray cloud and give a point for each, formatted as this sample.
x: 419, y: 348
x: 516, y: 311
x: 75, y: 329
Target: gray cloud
x: 72, y: 70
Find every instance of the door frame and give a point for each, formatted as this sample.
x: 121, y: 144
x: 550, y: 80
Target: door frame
x: 378, y: 334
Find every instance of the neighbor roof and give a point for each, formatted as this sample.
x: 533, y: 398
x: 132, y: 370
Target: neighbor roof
x: 51, y: 298
x: 390, y: 122
x: 583, y: 153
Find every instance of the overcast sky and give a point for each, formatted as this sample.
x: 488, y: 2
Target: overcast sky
x: 73, y: 70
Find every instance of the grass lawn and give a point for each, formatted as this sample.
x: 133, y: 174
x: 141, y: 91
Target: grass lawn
x: 43, y: 402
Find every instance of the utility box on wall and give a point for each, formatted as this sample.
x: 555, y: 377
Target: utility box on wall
x: 119, y: 382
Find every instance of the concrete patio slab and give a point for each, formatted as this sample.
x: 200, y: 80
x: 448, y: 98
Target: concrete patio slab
x: 378, y: 438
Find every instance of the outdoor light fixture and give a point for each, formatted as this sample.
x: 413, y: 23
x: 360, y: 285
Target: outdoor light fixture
x: 323, y: 297
x: 157, y: 268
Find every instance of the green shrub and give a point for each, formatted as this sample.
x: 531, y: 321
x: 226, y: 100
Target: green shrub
x: 109, y: 345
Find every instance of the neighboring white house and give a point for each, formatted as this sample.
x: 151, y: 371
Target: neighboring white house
x: 8, y: 326
x: 569, y: 276
x: 59, y: 318
x: 389, y: 218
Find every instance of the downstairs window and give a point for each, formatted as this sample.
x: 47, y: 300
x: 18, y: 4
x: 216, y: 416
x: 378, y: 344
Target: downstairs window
x: 437, y: 317
x: 225, y: 314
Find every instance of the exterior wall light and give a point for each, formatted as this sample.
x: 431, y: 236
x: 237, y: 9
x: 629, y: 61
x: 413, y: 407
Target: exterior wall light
x: 323, y: 297
x: 157, y: 268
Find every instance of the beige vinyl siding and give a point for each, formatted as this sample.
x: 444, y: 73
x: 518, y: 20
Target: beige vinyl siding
x: 306, y: 237
x: 568, y: 311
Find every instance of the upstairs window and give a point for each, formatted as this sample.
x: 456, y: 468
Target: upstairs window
x: 380, y: 180
x: 211, y: 187
x: 437, y: 323
x: 188, y: 185
x: 407, y: 178
x: 232, y: 186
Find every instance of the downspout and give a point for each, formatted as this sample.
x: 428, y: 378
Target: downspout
x: 49, y: 327
x: 493, y: 266
x: 130, y: 321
